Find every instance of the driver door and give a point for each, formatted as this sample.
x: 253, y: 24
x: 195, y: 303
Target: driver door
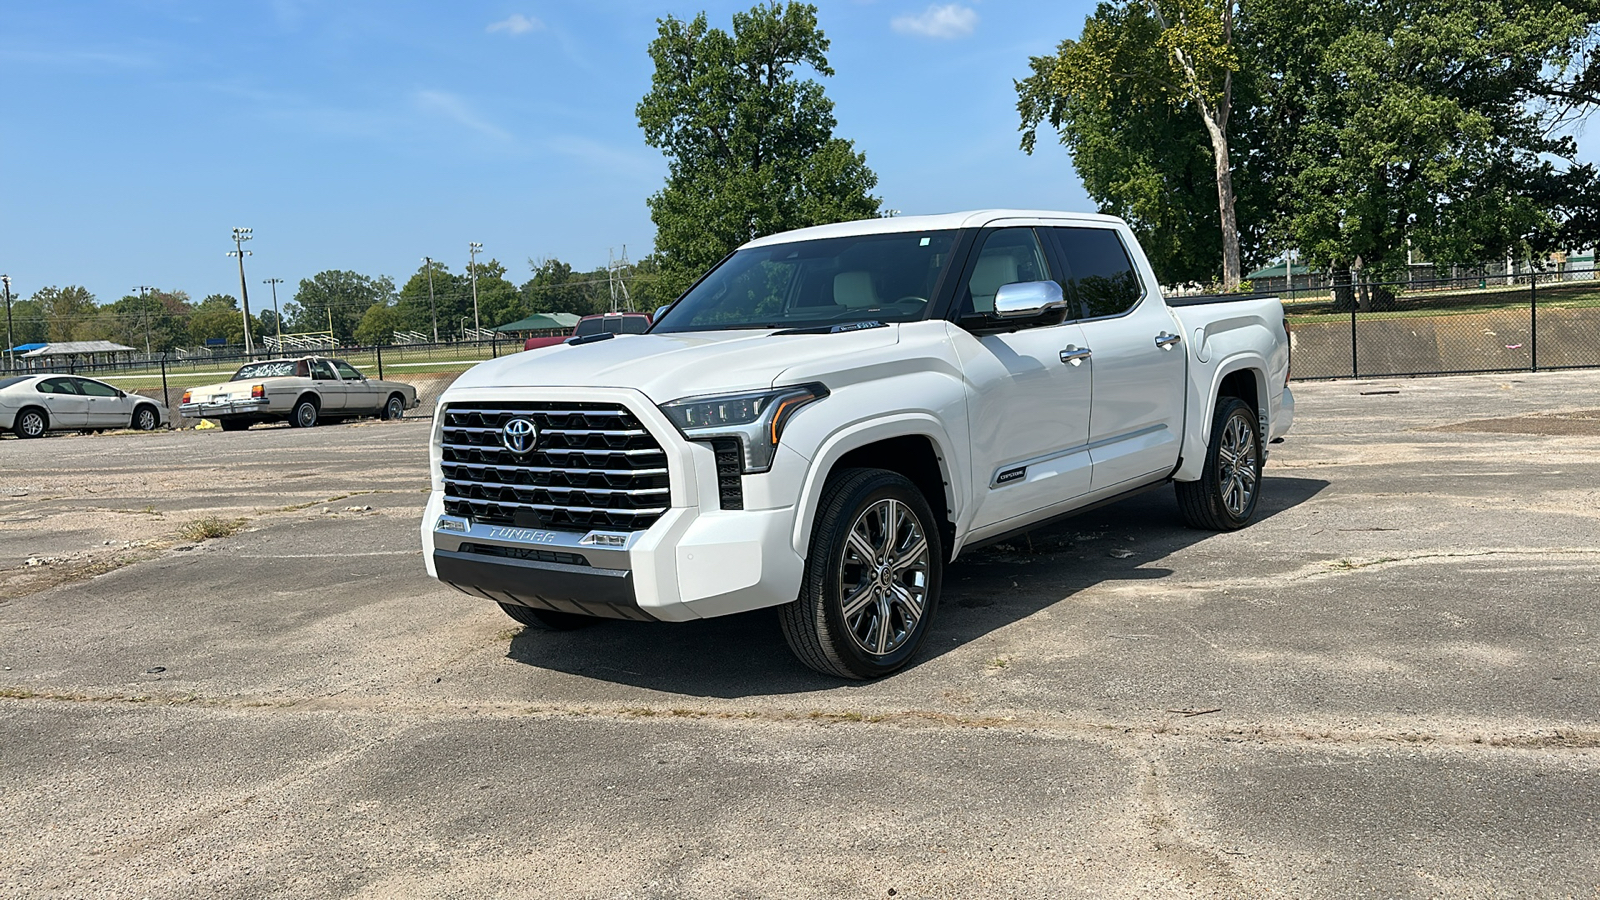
x: 1028, y: 393
x: 359, y: 394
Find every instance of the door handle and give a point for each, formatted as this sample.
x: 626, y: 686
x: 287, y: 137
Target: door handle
x: 1075, y: 355
x: 1165, y: 341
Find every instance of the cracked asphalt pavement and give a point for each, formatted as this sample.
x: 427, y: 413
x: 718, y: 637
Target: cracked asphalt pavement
x: 1385, y: 687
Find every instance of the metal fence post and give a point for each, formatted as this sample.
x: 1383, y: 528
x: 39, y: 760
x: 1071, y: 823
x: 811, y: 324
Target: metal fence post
x: 166, y: 394
x: 1533, y: 321
x: 1355, y: 371
x: 379, y: 349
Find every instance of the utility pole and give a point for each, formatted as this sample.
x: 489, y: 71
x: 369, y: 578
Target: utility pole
x: 433, y: 311
x: 277, y: 318
x: 472, y: 250
x: 240, y: 235
x: 619, y: 287
x: 146, y: 309
x: 11, y: 355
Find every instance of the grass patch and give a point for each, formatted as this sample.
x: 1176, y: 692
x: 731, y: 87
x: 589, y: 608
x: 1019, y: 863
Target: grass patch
x: 210, y: 527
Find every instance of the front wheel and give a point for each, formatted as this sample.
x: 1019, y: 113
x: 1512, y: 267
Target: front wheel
x: 145, y: 419
x: 1224, y: 499
x: 395, y: 408
x: 872, y: 577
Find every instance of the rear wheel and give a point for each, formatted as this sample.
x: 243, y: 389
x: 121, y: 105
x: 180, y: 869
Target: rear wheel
x: 304, y: 414
x: 1224, y: 499
x: 872, y: 577
x: 30, y: 423
x: 395, y: 408
x: 145, y: 418
x: 546, y: 619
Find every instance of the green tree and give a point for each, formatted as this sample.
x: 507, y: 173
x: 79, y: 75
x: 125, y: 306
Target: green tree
x: 418, y: 313
x: 749, y: 145
x: 217, y: 317
x: 338, y: 298
x: 1143, y: 100
x: 158, y: 319
x: 556, y: 287
x: 67, y: 312
x: 377, y: 324
x: 28, y: 323
x: 498, y: 300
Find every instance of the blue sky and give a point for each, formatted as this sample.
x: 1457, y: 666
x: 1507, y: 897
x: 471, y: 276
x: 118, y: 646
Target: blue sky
x: 365, y: 135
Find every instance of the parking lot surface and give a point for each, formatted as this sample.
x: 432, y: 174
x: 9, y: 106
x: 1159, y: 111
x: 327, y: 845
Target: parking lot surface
x: 1385, y: 687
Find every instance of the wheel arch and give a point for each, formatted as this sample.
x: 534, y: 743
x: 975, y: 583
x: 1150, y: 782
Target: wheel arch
x: 1243, y: 375
x: 915, y: 446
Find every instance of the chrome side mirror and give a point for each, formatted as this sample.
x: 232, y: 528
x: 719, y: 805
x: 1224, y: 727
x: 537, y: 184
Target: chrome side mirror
x: 1028, y: 299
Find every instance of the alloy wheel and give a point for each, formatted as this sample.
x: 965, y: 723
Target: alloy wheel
x: 883, y: 577
x: 1238, y: 465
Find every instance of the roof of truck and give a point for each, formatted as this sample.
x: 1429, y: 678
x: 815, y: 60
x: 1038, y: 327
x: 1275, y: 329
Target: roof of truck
x: 943, y: 222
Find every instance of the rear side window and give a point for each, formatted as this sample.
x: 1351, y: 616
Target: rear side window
x: 58, y: 386
x: 1099, y: 275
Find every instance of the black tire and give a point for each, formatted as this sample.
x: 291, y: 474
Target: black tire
x: 891, y: 518
x: 146, y: 419
x: 304, y: 414
x: 30, y: 423
x: 1225, y: 497
x: 395, y: 407
x: 234, y: 424
x: 546, y: 619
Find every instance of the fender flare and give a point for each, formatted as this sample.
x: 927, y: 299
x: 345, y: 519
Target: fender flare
x: 860, y: 434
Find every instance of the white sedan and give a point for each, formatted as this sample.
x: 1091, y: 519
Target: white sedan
x: 30, y: 405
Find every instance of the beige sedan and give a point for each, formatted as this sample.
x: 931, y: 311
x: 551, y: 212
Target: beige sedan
x: 299, y: 391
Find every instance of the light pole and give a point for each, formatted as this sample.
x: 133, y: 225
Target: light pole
x: 463, y: 336
x: 432, y: 310
x: 146, y: 310
x: 240, y: 235
x: 11, y: 356
x: 277, y: 318
x: 472, y: 250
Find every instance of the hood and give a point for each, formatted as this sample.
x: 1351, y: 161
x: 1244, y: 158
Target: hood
x: 671, y: 366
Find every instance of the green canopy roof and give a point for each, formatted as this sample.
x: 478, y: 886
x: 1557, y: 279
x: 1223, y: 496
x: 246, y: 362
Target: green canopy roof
x: 542, y: 322
x: 1276, y: 271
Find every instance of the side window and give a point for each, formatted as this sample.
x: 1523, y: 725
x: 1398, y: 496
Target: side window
x: 58, y: 386
x: 321, y: 369
x: 302, y: 369
x: 1009, y: 255
x: 94, y: 388
x: 346, y: 371
x: 1099, y: 276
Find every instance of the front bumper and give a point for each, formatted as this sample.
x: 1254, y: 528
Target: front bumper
x: 214, y: 410
x: 696, y: 561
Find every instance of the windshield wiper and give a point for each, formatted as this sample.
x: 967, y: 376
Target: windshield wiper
x: 834, y: 329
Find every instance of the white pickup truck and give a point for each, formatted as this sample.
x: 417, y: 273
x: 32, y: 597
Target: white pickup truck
x: 831, y: 415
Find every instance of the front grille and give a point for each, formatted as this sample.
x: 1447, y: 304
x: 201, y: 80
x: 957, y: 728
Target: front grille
x: 594, y: 465
x: 549, y: 556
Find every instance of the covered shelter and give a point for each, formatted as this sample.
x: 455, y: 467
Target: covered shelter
x: 541, y: 325
x: 72, y: 354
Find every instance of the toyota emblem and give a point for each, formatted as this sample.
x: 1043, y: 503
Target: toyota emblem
x: 519, y: 435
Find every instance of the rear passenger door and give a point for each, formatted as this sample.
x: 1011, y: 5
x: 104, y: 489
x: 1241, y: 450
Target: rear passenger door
x: 1140, y: 364
x: 329, y: 386
x: 66, y: 407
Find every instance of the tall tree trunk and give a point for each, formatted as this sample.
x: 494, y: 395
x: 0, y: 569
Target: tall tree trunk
x: 1216, y: 122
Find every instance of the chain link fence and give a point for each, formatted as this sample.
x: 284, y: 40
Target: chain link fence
x: 1482, y: 323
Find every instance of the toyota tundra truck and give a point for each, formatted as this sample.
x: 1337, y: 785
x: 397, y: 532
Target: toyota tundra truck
x: 830, y: 416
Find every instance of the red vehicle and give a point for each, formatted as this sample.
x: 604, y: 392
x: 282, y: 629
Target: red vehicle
x: 614, y: 322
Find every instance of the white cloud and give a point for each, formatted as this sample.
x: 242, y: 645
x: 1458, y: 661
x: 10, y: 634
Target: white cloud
x: 442, y: 103
x: 948, y: 22
x: 517, y: 23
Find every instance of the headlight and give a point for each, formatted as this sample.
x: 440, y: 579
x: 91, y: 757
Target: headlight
x: 757, y: 419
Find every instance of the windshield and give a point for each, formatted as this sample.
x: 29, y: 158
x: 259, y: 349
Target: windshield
x: 273, y: 369
x: 807, y: 284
